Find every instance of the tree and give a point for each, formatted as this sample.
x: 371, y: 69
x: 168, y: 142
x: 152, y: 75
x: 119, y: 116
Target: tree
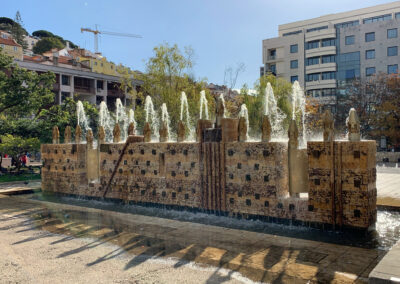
x: 46, y: 44
x: 168, y: 73
x: 16, y: 146
x: 231, y: 76
x: 18, y: 32
x: 46, y: 34
x: 6, y: 24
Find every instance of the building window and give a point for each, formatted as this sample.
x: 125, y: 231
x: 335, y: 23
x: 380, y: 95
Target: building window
x: 95, y: 63
x: 312, y: 44
x: 294, y: 64
x: 100, y: 84
x: 312, y: 61
x: 4, y: 36
x: 328, y: 59
x: 272, y: 68
x: 392, y: 33
x: 392, y: 51
x: 294, y: 78
x: 292, y: 33
x: 350, y: 74
x: 347, y: 24
x: 65, y: 80
x: 101, y: 64
x: 2, y: 46
x: 393, y: 69
x: 328, y: 75
x: 369, y: 71
x: 15, y: 48
x: 312, y: 77
x: 328, y: 42
x: 349, y: 40
x: 377, y: 19
x: 328, y: 92
x: 369, y: 37
x: 317, y: 29
x: 294, y: 48
x: 370, y: 54
x: 397, y: 15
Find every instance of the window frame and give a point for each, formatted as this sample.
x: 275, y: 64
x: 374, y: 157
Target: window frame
x: 296, y: 47
x: 393, y: 48
x: 370, y: 74
x: 393, y: 65
x: 292, y: 77
x: 296, y: 61
x: 370, y: 33
x: 348, y: 37
x: 366, y: 54
x: 387, y: 33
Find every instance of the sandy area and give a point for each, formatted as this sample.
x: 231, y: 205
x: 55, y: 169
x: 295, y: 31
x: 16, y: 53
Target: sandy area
x: 35, y: 256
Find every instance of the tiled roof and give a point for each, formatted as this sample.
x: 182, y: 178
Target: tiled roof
x: 8, y: 41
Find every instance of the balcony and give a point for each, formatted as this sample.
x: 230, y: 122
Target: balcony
x: 321, y: 84
x: 321, y: 34
x: 320, y: 51
x: 318, y: 68
x: 274, y: 58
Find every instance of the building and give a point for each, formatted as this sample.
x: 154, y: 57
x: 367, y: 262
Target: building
x: 77, y: 78
x: 326, y: 53
x: 10, y: 47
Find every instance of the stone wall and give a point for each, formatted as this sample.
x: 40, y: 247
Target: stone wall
x: 342, y: 188
x: 240, y: 178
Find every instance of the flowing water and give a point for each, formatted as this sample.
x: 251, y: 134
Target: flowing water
x: 82, y: 119
x: 386, y: 234
x: 131, y: 117
x: 203, y: 104
x: 151, y: 116
x: 106, y: 121
x: 299, y: 107
x: 165, y: 118
x: 275, y: 114
x: 122, y: 119
x: 185, y: 116
x: 245, y: 113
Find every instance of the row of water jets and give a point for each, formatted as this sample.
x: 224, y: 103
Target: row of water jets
x: 124, y: 117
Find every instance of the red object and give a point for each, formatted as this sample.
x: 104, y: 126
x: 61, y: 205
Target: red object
x: 23, y: 159
x: 5, y: 156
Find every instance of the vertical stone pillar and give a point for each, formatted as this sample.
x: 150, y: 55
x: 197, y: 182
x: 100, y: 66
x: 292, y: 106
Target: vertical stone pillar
x: 266, y: 129
x: 131, y: 129
x: 56, y: 135
x: 67, y: 135
x: 219, y: 112
x: 328, y: 125
x: 89, y: 139
x: 353, y: 126
x: 102, y: 135
x: 147, y: 132
x: 78, y: 134
x: 181, y: 131
x: 242, y: 129
x: 116, y: 134
x: 163, y: 132
x: 201, y: 125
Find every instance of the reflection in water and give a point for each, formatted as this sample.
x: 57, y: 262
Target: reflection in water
x: 387, y: 231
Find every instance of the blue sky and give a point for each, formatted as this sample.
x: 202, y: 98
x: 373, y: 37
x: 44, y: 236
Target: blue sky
x: 221, y: 32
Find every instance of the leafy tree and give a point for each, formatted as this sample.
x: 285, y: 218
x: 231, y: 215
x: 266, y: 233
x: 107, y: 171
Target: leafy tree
x: 46, y: 44
x: 282, y: 92
x: 62, y: 116
x: 16, y: 146
x: 168, y: 73
x: 17, y: 30
x: 23, y: 92
x: 42, y: 34
x: 6, y: 24
x: 46, y: 34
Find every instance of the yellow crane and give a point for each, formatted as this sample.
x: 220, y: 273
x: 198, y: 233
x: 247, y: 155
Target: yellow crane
x: 96, y: 32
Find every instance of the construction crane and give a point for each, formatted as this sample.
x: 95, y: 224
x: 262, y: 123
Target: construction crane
x: 96, y: 32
